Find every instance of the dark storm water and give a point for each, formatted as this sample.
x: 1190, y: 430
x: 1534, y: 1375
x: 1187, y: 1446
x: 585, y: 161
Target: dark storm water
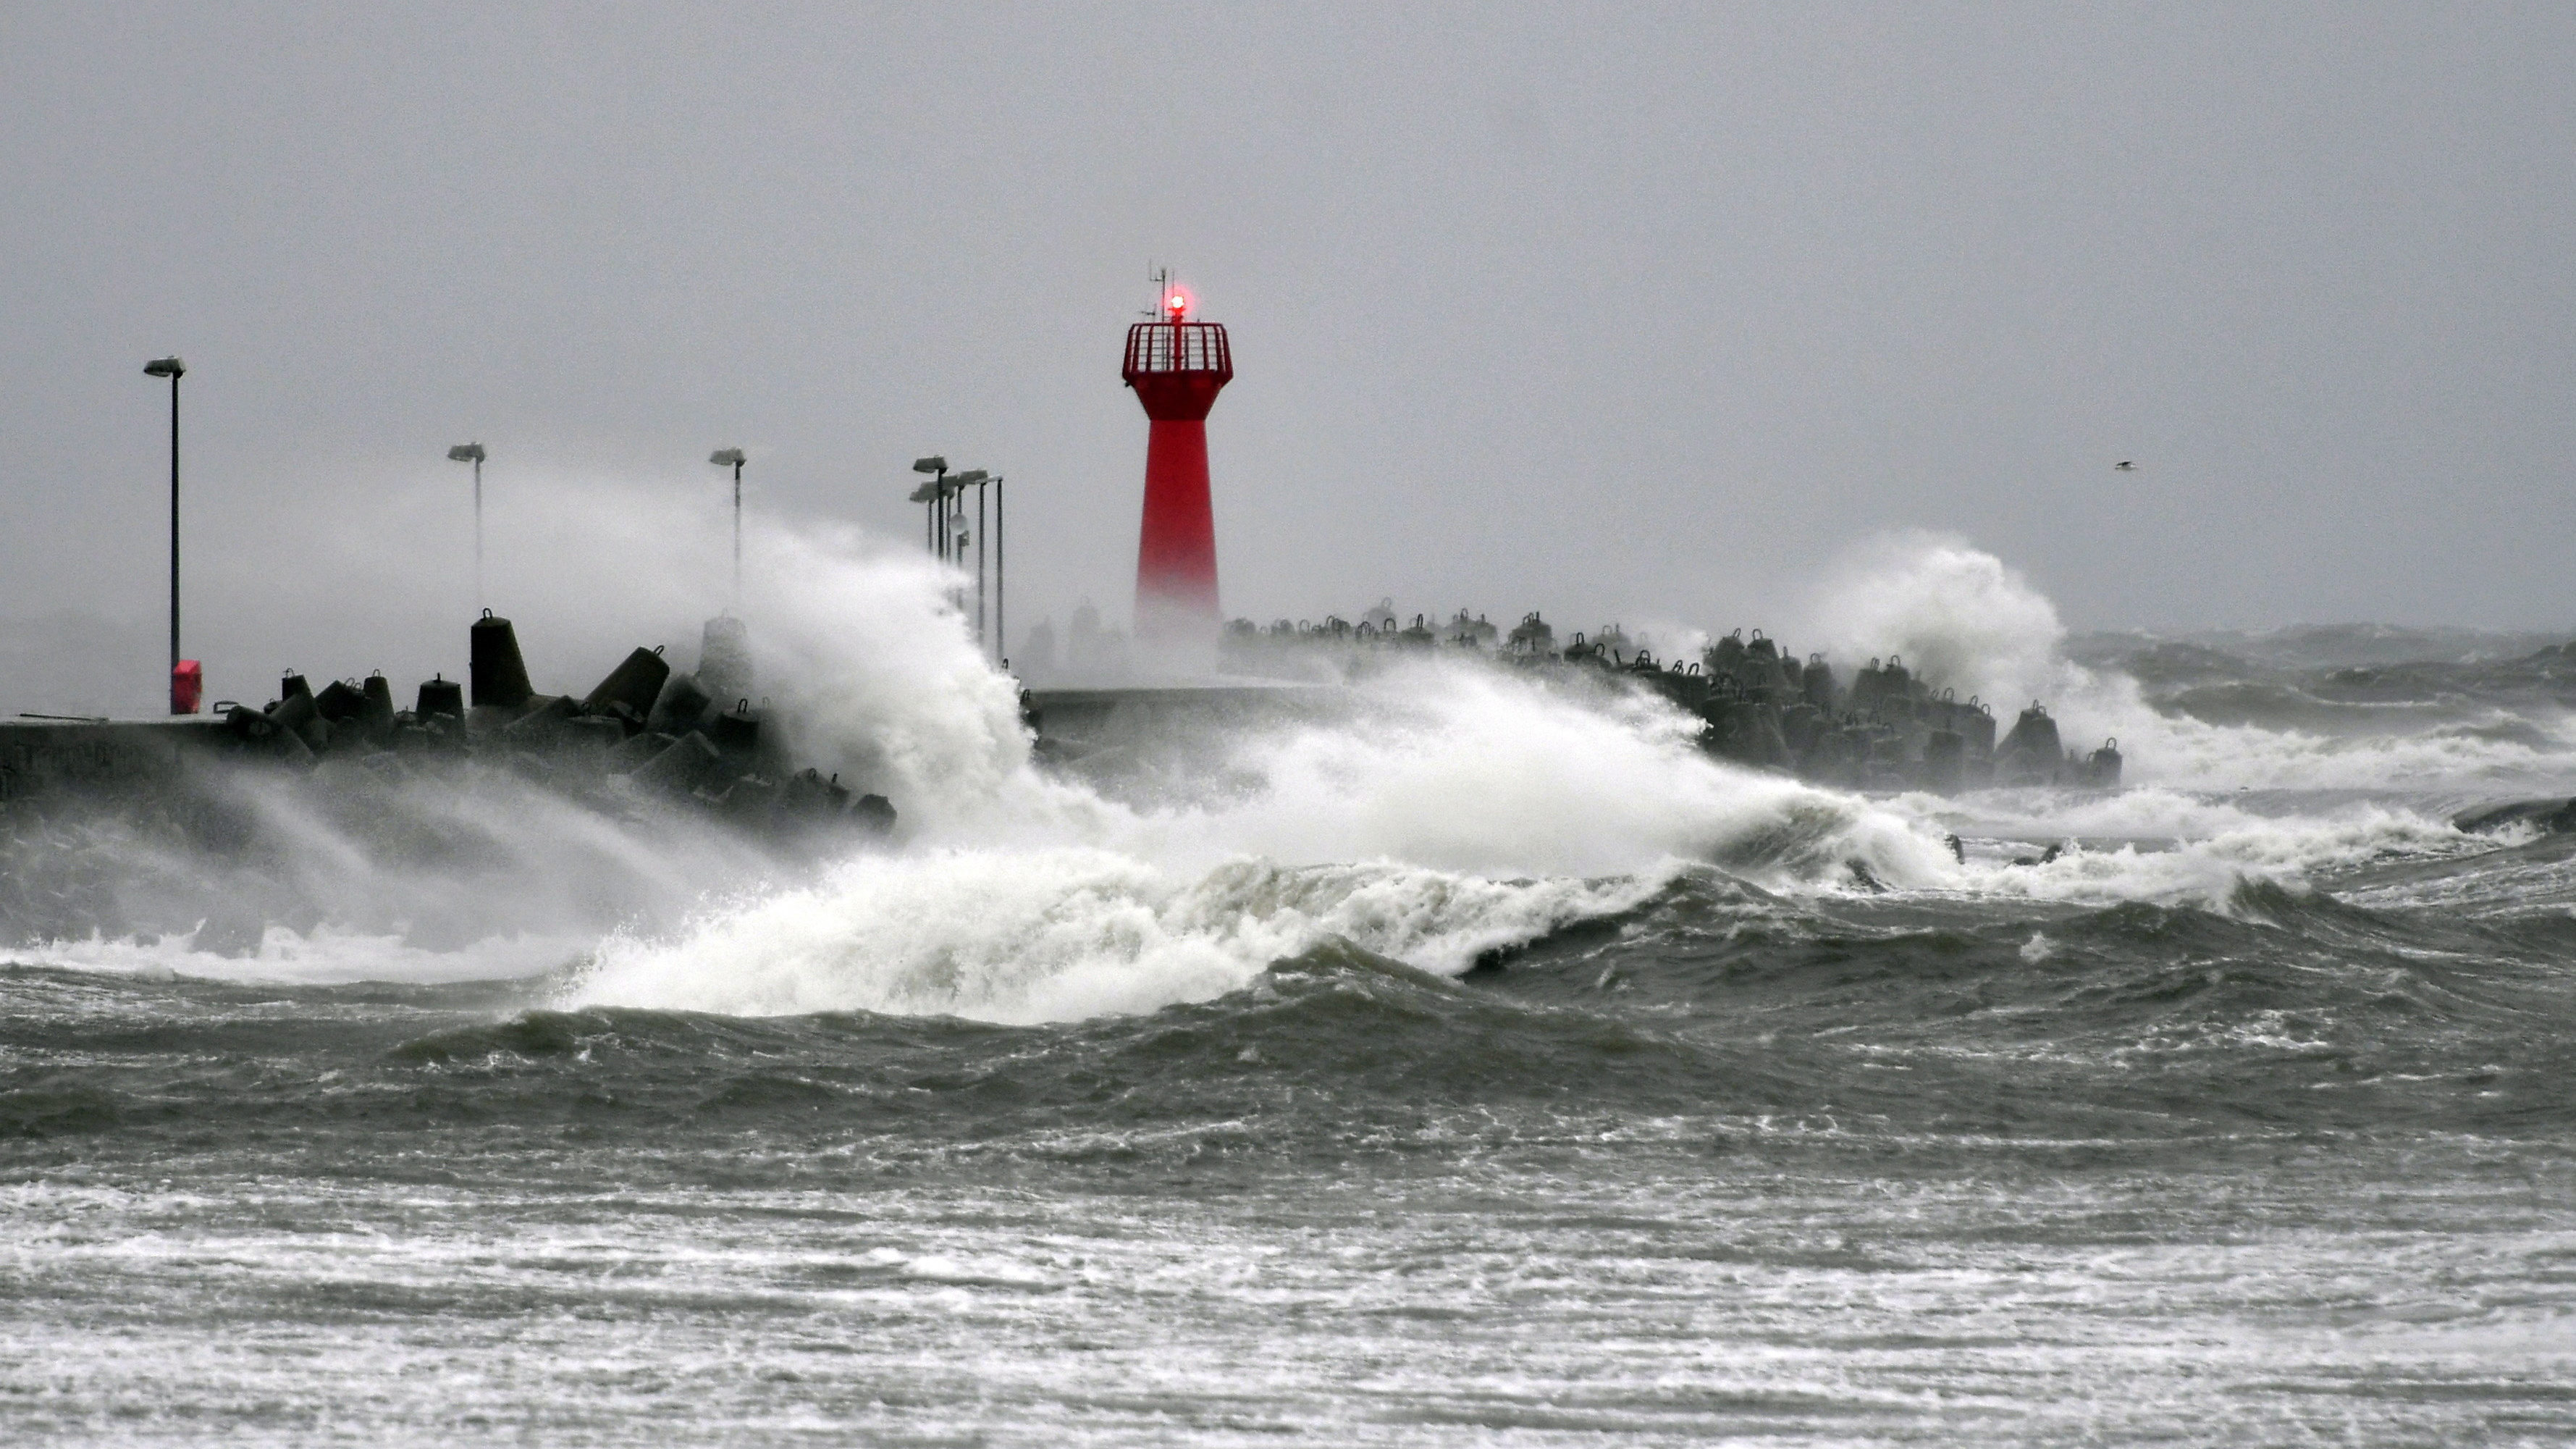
x: 2285, y: 1167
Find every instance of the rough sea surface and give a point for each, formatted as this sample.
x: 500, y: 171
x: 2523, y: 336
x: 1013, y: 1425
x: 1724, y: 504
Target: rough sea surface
x: 1375, y: 1098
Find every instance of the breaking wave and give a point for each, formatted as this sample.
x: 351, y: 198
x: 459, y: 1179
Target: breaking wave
x: 1958, y: 614
x: 1455, y: 812
x: 1066, y: 934
x: 1442, y: 813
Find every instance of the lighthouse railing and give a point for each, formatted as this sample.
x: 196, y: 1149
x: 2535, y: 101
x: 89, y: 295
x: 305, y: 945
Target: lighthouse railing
x: 1178, y: 347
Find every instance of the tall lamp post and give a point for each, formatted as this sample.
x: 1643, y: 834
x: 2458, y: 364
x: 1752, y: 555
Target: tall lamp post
x: 473, y: 453
x: 183, y: 690
x: 732, y: 458
x: 975, y: 478
x: 945, y: 530
x: 928, y: 496
x: 1001, y: 636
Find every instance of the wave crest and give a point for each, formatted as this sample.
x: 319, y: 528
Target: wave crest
x: 1070, y: 933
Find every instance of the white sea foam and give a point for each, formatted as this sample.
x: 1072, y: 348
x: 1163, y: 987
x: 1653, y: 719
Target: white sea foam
x: 1455, y: 811
x: 1450, y: 811
x: 2207, y: 870
x: 1062, y: 934
x: 324, y: 954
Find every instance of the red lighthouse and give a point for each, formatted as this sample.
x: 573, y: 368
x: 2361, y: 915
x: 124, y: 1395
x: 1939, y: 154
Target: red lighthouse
x: 1177, y: 367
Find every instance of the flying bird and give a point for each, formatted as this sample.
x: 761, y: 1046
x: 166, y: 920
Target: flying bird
x: 2124, y: 466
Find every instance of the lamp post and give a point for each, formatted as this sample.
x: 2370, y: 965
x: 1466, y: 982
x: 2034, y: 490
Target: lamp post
x: 928, y: 496
x: 945, y: 531
x: 473, y: 453
x: 975, y: 478
x: 1001, y: 636
x: 181, y: 701
x: 732, y: 458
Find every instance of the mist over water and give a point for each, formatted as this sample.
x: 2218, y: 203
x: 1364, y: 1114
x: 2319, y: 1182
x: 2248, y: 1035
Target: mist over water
x: 1471, y: 1060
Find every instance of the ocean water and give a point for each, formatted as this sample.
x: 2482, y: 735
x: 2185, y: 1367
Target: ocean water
x: 1482, y: 1067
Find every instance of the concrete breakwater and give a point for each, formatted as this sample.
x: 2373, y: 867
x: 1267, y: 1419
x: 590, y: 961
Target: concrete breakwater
x: 1886, y: 728
x: 82, y: 801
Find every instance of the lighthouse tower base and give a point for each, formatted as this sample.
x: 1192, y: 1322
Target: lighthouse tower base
x: 1175, y: 639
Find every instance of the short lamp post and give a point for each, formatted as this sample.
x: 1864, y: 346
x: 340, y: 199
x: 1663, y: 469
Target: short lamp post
x: 186, y: 684
x: 473, y: 453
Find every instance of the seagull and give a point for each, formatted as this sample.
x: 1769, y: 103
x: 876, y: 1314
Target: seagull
x: 2124, y: 466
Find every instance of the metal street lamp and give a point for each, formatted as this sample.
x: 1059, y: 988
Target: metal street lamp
x: 183, y: 698
x: 732, y: 458
x: 946, y: 531
x: 929, y: 495
x: 1001, y: 635
x: 977, y: 479
x: 473, y: 453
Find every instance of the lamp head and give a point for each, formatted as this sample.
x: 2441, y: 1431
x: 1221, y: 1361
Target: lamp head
x: 969, y: 478
x: 726, y: 457
x: 932, y: 464
x: 465, y: 453
x: 165, y: 367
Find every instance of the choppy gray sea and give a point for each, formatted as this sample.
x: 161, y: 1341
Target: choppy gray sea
x: 2255, y: 1126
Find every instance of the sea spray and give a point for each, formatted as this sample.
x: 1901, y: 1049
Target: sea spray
x: 1460, y: 767
x: 2208, y: 871
x: 1070, y: 934
x: 1452, y: 811
x: 1445, y: 775
x: 1959, y: 616
x: 1965, y: 620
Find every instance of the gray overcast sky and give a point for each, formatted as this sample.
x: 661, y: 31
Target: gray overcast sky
x: 1616, y: 310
